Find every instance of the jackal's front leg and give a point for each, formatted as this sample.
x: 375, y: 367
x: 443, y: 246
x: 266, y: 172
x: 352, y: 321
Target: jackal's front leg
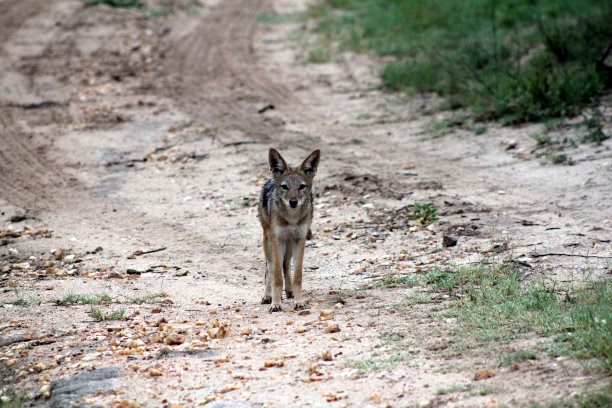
x: 297, y: 276
x: 267, y: 298
x: 278, y: 250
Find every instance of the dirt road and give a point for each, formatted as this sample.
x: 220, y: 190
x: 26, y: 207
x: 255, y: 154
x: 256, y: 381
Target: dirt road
x: 133, y: 144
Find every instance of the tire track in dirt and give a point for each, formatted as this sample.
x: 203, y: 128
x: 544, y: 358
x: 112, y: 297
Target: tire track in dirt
x: 13, y: 14
x: 27, y: 177
x: 213, y: 72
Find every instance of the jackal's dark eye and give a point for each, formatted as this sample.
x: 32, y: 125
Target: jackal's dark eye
x: 302, y: 186
x: 284, y: 187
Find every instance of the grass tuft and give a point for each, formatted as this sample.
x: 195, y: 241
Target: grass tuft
x: 98, y: 315
x: 73, y: 298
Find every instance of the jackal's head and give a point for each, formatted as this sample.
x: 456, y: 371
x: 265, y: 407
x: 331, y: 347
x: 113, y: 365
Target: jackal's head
x: 293, y: 185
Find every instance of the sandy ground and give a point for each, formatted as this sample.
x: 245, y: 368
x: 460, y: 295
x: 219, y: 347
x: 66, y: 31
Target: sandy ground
x: 132, y: 152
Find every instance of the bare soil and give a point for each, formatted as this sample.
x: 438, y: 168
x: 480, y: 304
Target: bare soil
x: 132, y: 149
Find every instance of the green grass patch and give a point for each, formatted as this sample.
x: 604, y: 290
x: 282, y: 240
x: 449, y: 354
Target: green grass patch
x: 493, y: 305
x: 518, y: 60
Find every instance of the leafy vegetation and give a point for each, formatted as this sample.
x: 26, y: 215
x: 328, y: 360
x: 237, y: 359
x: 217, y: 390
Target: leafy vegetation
x: 517, y: 60
x: 423, y: 213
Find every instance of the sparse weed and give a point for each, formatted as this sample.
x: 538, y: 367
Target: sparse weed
x: 418, y: 298
x: 479, y: 130
x: 542, y: 140
x: 423, y: 213
x: 11, y: 398
x: 443, y: 280
x: 560, y: 159
x: 277, y: 18
x: 377, y: 364
x: 319, y: 55
x: 153, y: 298
x: 72, y: 299
x: 482, y: 391
x: 396, y: 281
x: 594, y: 125
x: 19, y: 302
x: 98, y: 315
x: 518, y: 357
x: 455, y: 388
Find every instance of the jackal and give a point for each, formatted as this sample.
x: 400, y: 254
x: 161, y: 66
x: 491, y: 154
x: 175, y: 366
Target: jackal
x: 285, y: 211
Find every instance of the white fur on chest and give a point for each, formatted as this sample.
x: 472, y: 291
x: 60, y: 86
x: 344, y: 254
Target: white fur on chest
x: 291, y: 232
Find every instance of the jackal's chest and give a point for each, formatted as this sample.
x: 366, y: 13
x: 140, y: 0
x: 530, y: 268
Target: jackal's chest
x: 291, y: 231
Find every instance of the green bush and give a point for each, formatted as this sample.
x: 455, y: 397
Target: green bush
x: 519, y: 60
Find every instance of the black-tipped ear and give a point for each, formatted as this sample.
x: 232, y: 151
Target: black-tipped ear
x: 278, y: 165
x: 310, y: 164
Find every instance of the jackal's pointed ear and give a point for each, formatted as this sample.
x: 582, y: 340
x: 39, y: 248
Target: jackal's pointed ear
x: 310, y: 164
x: 278, y: 165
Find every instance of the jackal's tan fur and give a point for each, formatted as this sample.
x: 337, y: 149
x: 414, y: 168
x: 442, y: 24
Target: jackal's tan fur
x: 285, y: 211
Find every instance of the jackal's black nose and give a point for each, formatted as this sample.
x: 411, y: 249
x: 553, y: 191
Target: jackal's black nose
x: 293, y: 202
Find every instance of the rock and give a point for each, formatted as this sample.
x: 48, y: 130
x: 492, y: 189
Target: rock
x: 449, y: 241
x: 154, y: 372
x: 483, y: 374
x: 332, y: 328
x: 59, y: 254
x: 175, y: 339
x: 115, y: 275
x: 64, y: 393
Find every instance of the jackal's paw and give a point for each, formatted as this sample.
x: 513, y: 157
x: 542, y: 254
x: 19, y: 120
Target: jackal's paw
x: 266, y: 300
x: 276, y: 308
x: 301, y: 305
x: 289, y: 294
